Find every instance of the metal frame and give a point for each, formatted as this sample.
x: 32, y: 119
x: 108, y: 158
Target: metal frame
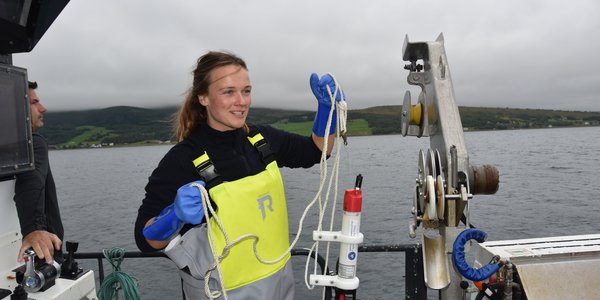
x: 414, y: 282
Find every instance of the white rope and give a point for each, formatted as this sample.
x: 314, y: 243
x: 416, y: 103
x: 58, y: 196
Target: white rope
x: 218, y: 258
x: 341, y: 109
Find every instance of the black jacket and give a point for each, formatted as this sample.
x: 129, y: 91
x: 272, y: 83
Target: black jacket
x: 233, y: 157
x: 35, y: 194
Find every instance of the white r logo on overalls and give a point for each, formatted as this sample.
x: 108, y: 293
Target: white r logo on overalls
x: 261, y: 205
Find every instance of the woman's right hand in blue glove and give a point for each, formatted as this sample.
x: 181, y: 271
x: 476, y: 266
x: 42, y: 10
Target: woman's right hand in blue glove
x: 187, y: 208
x: 188, y: 203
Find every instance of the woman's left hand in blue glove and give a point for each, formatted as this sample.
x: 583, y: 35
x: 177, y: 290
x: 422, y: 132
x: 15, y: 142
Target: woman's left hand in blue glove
x: 319, y: 89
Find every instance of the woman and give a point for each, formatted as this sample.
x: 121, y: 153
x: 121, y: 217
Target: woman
x: 239, y: 165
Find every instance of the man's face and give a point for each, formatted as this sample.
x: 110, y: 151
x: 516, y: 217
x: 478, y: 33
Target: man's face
x: 37, y: 111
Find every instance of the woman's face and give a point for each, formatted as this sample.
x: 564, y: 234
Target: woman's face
x: 228, y: 100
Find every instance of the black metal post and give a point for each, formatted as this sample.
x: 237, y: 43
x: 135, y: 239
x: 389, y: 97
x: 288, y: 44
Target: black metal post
x: 415, y: 280
x: 100, y: 270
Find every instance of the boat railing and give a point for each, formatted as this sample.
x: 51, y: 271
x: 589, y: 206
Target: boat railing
x: 414, y: 282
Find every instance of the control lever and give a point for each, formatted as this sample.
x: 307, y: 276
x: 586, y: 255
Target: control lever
x: 39, y: 275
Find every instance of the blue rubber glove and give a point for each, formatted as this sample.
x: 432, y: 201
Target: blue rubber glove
x: 188, y: 204
x: 165, y: 226
x: 319, y: 89
x: 187, y: 208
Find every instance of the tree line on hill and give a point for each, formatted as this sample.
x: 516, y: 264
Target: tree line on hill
x: 133, y: 125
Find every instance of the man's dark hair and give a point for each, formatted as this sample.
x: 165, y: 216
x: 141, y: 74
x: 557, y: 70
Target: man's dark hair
x: 32, y: 85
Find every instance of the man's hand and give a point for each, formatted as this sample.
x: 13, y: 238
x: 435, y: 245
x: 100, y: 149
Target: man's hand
x: 43, y: 243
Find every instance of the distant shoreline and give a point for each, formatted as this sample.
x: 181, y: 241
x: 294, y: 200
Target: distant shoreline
x: 172, y: 143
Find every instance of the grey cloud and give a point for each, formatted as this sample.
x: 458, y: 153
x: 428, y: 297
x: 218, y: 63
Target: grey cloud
x: 525, y: 54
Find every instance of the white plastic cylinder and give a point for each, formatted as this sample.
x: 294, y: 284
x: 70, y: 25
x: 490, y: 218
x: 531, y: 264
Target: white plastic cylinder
x: 350, y: 227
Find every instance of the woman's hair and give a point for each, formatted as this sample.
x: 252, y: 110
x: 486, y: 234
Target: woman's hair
x: 192, y: 113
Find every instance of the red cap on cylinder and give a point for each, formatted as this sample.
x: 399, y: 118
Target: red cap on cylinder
x: 353, y: 200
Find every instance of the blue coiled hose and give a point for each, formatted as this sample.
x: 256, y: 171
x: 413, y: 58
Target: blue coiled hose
x: 458, y: 256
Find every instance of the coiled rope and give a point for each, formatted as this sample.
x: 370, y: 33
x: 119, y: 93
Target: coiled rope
x: 118, y: 280
x: 341, y: 108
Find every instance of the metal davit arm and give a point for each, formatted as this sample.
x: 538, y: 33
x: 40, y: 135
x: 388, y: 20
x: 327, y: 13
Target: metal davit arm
x: 445, y: 179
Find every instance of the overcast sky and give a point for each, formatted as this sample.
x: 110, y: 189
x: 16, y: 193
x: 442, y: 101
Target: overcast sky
x: 520, y: 54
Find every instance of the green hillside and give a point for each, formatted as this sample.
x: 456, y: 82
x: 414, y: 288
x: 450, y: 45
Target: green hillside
x: 132, y: 125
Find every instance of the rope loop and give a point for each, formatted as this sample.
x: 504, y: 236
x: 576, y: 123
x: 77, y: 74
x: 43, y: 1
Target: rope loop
x: 118, y: 280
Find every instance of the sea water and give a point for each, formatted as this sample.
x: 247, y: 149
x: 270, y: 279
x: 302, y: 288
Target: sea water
x: 548, y: 186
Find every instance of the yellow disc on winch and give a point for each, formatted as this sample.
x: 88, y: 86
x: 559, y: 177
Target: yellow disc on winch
x: 415, y: 113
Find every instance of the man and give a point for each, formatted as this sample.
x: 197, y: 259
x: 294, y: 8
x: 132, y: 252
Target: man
x: 35, y: 194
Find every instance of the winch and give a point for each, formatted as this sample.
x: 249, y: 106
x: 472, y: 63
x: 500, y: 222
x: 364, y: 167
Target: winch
x: 446, y: 181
